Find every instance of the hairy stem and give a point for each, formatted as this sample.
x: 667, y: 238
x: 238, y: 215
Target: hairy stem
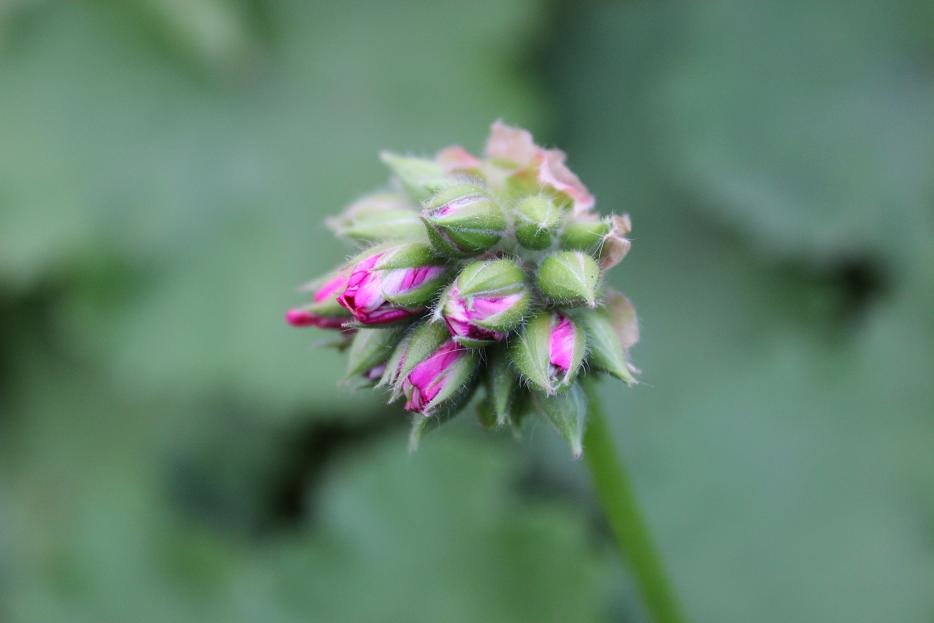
x: 622, y: 513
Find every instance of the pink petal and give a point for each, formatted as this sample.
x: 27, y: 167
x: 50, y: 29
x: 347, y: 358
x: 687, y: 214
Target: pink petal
x: 331, y: 288
x: 511, y: 144
x: 456, y: 158
x: 402, y: 280
x: 554, y: 173
x: 561, y: 346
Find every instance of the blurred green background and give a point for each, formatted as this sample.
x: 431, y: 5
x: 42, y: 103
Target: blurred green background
x: 171, y: 451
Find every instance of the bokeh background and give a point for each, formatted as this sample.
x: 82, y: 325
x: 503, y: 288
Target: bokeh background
x: 171, y: 451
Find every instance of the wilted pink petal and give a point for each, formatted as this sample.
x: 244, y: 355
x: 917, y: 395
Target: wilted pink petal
x: 553, y: 172
x: 561, y: 347
x: 456, y: 158
x: 511, y: 144
x: 615, y: 243
x: 430, y: 376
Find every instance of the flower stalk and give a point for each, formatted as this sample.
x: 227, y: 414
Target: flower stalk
x: 621, y: 510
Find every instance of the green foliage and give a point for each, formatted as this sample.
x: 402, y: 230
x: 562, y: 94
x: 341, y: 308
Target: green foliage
x: 165, y: 168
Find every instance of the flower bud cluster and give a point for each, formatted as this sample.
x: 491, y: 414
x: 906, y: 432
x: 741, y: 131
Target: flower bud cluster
x: 480, y: 274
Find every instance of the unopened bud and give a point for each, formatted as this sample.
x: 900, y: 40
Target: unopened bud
x: 549, y: 351
x: 537, y: 220
x: 463, y: 220
x: 392, y: 283
x: 379, y: 217
x: 569, y: 278
x: 486, y: 301
x: 439, y: 378
x: 369, y: 351
x: 418, y: 344
x: 420, y: 177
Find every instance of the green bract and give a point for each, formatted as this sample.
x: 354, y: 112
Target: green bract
x: 480, y: 273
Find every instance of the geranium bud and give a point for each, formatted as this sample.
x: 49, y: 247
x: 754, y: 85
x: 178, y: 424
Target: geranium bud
x: 392, y: 284
x: 419, y: 177
x: 324, y: 311
x: 463, y: 220
x: 413, y: 348
x: 569, y: 278
x: 369, y: 351
x: 537, y: 219
x: 379, y: 217
x: 486, y: 301
x: 586, y: 236
x: 438, y: 378
x: 549, y: 351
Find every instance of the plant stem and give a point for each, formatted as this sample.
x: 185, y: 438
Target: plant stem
x: 619, y: 505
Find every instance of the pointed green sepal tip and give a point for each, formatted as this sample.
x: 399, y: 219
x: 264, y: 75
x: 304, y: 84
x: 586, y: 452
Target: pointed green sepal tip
x: 537, y: 220
x: 463, y: 220
x: 421, y: 178
x: 606, y: 352
x: 501, y: 385
x: 569, y: 278
x: 567, y: 413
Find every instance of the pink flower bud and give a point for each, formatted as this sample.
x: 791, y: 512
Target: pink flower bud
x: 462, y: 315
x: 437, y: 378
x: 322, y: 312
x: 372, y: 294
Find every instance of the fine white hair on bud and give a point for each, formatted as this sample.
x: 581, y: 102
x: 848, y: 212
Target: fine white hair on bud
x: 479, y: 279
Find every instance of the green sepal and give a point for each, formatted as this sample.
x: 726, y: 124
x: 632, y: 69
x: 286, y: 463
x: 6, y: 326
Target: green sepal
x: 605, y: 351
x: 491, y: 278
x: 485, y: 413
x: 370, y: 348
x: 405, y: 255
x: 448, y: 408
x: 586, y: 236
x: 569, y: 278
x: 567, y: 413
x: 501, y: 384
x: 473, y: 223
x: 537, y: 220
x: 421, y: 178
